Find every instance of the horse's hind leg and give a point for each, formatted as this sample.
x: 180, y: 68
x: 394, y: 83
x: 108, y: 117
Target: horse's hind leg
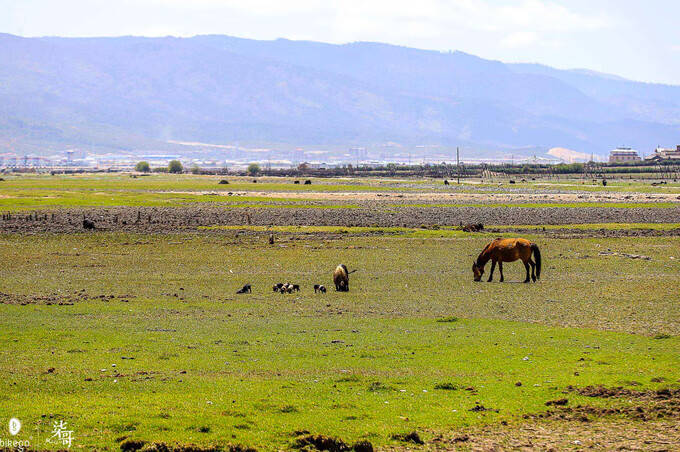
x: 493, y: 267
x: 533, y: 270
x: 500, y: 269
x: 526, y: 266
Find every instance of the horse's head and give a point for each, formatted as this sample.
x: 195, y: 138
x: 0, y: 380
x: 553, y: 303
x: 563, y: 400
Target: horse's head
x: 478, y: 271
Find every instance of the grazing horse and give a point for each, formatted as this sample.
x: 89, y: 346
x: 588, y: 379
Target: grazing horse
x: 341, y: 278
x: 508, y: 250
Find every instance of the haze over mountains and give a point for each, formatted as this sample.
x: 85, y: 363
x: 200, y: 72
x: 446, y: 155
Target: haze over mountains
x: 136, y: 93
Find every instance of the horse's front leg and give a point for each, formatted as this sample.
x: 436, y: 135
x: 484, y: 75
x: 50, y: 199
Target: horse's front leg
x: 493, y: 266
x: 500, y: 269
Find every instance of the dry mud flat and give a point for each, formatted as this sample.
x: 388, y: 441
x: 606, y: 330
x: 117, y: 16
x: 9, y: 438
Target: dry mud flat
x: 157, y: 220
x: 639, y: 420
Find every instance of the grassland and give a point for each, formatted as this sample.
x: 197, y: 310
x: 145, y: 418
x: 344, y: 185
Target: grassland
x: 414, y: 346
x: 212, y: 367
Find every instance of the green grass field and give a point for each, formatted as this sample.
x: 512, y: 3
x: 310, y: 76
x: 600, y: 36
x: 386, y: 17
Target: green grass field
x: 142, y: 337
x: 212, y: 367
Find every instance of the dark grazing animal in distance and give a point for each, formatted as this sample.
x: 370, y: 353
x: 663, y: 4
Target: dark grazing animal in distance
x: 245, y: 289
x: 88, y: 224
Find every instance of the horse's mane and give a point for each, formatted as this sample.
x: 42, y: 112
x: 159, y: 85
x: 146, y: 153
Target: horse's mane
x: 488, y: 245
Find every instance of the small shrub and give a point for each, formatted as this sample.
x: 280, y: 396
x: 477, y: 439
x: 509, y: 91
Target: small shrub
x: 288, y: 409
x: 446, y: 386
x: 377, y: 386
x: 447, y: 319
x: 348, y: 379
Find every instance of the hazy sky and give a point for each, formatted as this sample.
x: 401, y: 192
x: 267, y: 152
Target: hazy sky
x: 637, y: 39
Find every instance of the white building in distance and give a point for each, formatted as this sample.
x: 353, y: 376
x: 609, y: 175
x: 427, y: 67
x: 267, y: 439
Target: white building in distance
x: 623, y: 155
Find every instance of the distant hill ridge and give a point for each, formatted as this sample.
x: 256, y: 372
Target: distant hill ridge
x: 137, y: 93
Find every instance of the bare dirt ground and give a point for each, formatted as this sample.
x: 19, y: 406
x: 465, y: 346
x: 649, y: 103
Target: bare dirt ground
x: 160, y: 220
x: 645, y: 421
x: 518, y: 196
x: 600, y: 434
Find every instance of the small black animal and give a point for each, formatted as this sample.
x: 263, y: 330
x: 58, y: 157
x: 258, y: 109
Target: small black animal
x: 88, y: 224
x: 224, y: 182
x: 446, y: 182
x: 604, y: 182
x: 245, y: 289
x: 297, y: 182
x: 322, y: 289
x: 295, y: 287
x: 308, y: 182
x: 512, y: 181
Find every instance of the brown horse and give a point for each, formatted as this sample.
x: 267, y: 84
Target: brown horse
x: 508, y: 250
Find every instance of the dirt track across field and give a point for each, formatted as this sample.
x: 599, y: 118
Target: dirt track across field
x: 160, y: 220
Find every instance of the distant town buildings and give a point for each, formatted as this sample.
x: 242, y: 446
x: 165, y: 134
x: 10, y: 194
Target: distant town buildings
x: 664, y: 154
x: 623, y: 155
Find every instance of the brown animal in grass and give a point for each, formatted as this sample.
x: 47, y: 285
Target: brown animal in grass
x: 341, y: 278
x: 508, y: 250
x: 473, y: 227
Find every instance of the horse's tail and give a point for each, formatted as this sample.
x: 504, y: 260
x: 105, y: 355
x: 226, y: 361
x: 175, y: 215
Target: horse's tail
x: 537, y: 254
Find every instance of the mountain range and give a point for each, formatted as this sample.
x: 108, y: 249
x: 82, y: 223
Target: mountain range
x: 137, y: 93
